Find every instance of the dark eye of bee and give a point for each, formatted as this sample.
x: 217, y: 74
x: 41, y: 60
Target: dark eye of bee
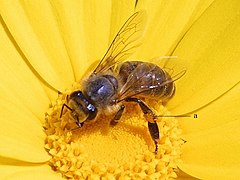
x: 76, y: 94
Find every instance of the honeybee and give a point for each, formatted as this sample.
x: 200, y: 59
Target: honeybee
x: 114, y: 82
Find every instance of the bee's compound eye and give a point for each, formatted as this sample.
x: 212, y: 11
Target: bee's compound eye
x: 76, y: 94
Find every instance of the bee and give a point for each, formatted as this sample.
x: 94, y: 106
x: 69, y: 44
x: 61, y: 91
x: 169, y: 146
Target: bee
x: 114, y: 82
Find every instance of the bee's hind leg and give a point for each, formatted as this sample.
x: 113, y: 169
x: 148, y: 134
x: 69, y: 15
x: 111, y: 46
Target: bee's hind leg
x: 117, y: 116
x: 154, y: 131
x: 152, y: 125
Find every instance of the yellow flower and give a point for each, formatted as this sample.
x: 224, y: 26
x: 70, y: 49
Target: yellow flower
x: 47, y: 46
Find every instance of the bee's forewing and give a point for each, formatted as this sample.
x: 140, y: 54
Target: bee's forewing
x: 125, y: 42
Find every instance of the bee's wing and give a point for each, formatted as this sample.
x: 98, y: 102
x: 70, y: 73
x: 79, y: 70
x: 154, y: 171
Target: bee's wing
x: 136, y: 85
x: 124, y: 43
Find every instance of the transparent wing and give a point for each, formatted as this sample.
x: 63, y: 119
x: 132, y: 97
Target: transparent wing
x: 171, y: 64
x: 147, y: 77
x: 124, y: 43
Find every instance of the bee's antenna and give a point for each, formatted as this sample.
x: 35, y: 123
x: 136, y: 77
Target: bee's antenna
x: 64, y: 105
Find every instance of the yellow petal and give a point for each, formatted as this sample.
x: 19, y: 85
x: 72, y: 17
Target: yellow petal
x: 184, y: 176
x: 35, y: 30
x: 18, y: 83
x: 212, y: 150
x: 23, y: 103
x: 213, y: 154
x: 86, y: 26
x: 168, y: 21
x: 84, y: 31
x: 26, y: 171
x: 22, y: 136
x: 218, y: 113
x: 211, y: 51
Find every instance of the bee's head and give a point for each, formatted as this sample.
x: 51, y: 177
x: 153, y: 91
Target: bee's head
x: 81, y: 109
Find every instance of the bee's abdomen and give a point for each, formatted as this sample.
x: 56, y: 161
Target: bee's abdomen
x: 126, y: 69
x: 148, y: 76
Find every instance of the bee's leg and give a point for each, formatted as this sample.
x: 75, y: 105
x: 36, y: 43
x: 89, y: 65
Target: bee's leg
x: 154, y: 131
x: 152, y: 125
x: 79, y: 125
x: 64, y: 105
x: 117, y: 116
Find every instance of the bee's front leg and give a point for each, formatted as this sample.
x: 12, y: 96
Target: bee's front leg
x: 151, y: 118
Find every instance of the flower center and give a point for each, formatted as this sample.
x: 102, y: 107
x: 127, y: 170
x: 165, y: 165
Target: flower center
x: 98, y: 150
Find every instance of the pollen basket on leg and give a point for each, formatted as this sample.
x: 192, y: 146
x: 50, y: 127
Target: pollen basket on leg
x: 99, y: 150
